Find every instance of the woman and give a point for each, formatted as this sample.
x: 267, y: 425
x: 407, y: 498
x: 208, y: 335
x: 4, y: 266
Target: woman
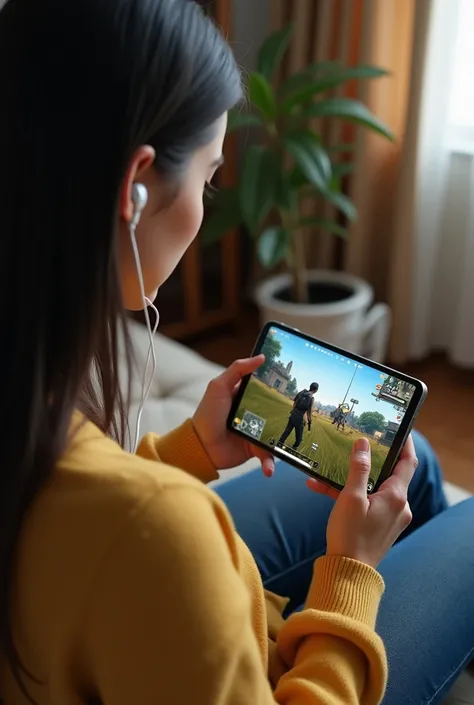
x: 122, y: 577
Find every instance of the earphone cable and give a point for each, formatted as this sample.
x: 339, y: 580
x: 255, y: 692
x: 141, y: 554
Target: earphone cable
x: 151, y: 332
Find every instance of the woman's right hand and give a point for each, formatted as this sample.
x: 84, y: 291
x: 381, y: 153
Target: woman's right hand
x: 363, y: 526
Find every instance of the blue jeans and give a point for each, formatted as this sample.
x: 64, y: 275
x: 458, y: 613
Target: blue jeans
x: 426, y: 618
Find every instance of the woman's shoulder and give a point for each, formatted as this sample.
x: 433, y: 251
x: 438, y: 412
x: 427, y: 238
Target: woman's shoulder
x: 100, y: 478
x: 97, y: 494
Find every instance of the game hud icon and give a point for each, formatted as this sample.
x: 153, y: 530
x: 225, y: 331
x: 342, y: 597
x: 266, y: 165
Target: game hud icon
x: 251, y: 424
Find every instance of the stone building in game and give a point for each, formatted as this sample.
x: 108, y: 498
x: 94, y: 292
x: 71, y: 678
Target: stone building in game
x: 279, y: 376
x: 390, y: 433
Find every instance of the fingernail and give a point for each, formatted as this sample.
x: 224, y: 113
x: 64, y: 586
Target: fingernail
x: 268, y: 471
x: 362, y: 445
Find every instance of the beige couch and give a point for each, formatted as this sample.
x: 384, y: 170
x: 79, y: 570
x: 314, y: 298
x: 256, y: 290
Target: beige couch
x: 180, y: 382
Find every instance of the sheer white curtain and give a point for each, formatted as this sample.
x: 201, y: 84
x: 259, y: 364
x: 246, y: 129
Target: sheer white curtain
x: 443, y: 274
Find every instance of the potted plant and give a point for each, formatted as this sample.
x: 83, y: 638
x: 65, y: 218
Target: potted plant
x: 289, y: 167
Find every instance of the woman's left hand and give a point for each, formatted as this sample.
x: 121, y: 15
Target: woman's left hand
x: 225, y: 449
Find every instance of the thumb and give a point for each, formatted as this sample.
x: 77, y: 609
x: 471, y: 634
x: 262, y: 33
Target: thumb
x: 233, y: 375
x: 359, y: 468
x: 267, y: 460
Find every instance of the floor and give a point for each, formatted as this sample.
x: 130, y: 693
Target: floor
x: 447, y: 415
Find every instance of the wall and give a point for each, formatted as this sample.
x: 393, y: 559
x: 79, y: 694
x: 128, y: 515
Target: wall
x: 250, y: 26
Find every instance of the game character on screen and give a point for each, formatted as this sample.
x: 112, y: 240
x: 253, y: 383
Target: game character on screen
x: 302, y: 405
x: 339, y: 416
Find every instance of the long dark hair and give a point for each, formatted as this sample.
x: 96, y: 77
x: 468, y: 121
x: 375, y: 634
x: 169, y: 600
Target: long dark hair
x: 82, y: 85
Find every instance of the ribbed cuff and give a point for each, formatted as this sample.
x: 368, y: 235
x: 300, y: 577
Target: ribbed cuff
x: 347, y: 587
x: 183, y: 449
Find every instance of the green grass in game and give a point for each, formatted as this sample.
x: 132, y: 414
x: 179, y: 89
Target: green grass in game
x: 334, y: 446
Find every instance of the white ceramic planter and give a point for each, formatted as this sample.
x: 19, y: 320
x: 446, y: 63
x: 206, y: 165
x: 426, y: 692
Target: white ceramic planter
x: 352, y: 323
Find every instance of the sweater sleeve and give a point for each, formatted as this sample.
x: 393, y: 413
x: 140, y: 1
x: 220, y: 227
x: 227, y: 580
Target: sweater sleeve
x: 182, y: 449
x: 169, y: 620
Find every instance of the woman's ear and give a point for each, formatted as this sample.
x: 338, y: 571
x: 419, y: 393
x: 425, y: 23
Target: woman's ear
x: 141, y: 161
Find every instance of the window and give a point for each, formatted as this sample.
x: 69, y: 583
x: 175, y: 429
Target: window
x: 461, y: 103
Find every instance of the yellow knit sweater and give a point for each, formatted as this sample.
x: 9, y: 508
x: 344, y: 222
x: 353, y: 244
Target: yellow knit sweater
x: 133, y: 588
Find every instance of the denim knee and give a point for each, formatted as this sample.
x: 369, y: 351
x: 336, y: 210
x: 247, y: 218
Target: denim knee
x: 428, y: 463
x: 425, y: 494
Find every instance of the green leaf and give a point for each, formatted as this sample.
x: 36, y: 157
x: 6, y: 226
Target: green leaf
x: 226, y: 198
x: 286, y: 193
x: 257, y: 186
x: 350, y: 110
x: 342, y: 147
x: 224, y: 216
x: 298, y: 179
x: 344, y: 169
x: 273, y: 246
x: 309, y: 156
x: 335, y: 184
x: 332, y: 78
x: 262, y: 95
x: 302, y: 79
x: 342, y: 203
x: 326, y: 224
x: 240, y: 119
x: 273, y: 50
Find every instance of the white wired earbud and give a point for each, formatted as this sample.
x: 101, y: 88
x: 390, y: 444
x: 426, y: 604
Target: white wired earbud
x: 140, y: 199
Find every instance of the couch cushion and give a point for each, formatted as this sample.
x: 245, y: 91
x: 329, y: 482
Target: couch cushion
x: 180, y: 372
